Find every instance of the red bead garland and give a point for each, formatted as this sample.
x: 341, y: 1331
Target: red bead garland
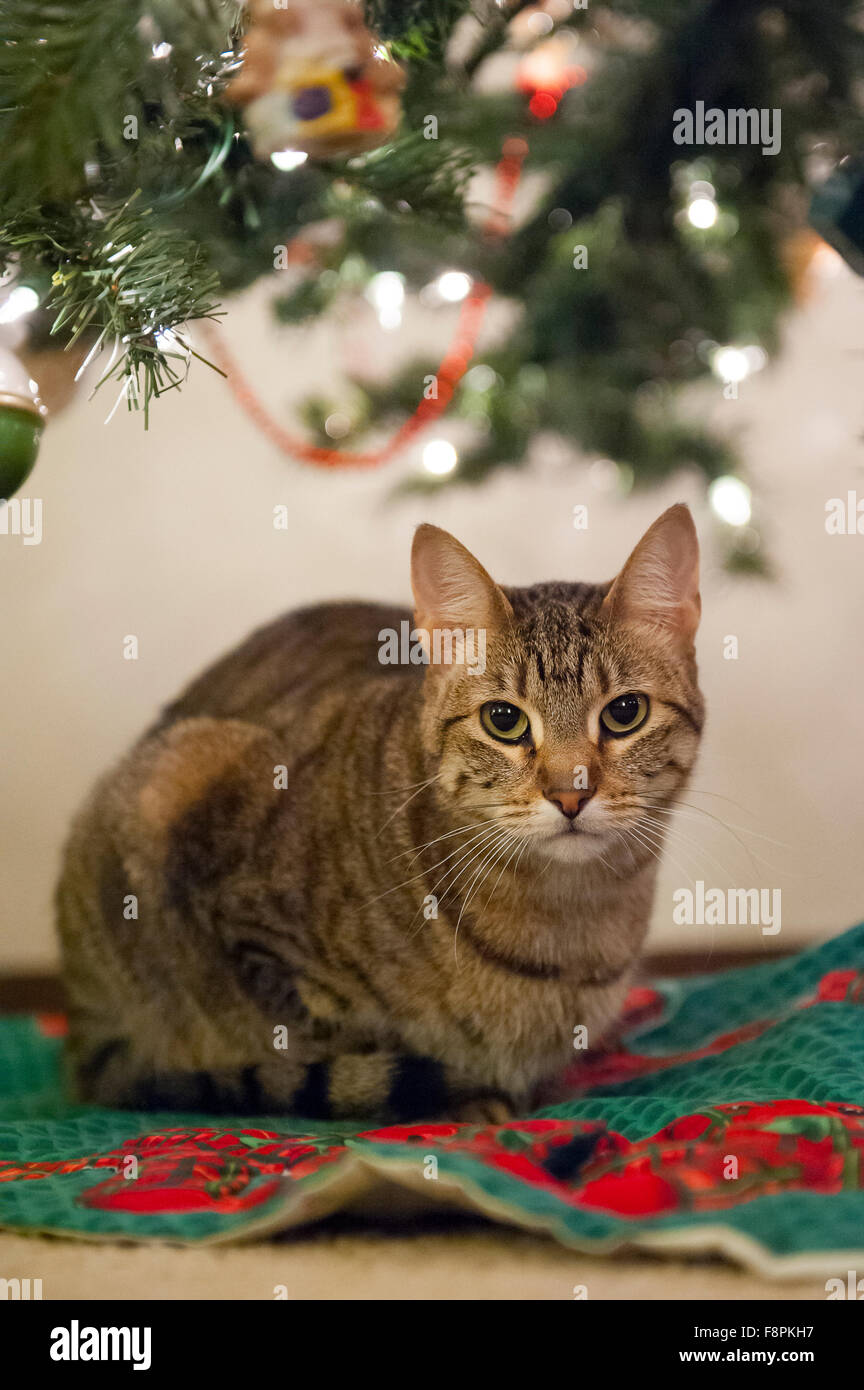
x: 450, y: 373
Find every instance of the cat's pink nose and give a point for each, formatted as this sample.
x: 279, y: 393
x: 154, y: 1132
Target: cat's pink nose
x: 570, y: 803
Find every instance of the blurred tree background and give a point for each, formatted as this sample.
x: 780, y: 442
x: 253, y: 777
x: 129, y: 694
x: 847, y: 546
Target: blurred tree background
x: 641, y: 266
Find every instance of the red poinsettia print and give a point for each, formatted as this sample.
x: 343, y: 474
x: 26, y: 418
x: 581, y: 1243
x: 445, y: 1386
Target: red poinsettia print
x: 228, y: 1171
x: 713, y: 1158
x: 729, y: 1154
x: 709, y: 1160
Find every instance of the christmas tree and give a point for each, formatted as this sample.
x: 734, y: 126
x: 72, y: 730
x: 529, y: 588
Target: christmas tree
x: 147, y: 172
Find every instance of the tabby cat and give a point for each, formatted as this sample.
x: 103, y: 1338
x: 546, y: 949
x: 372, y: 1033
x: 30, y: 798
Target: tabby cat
x: 328, y: 885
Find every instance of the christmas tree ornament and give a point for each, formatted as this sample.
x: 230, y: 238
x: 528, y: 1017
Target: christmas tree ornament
x: 314, y: 80
x: 547, y: 72
x: 837, y: 211
x: 56, y: 371
x: 450, y: 372
x: 803, y: 252
x: 22, y: 419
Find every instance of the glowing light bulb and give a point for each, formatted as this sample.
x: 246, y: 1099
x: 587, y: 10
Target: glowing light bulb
x: 286, y: 160
x: 730, y: 500
x: 540, y: 24
x: 756, y: 357
x: 731, y: 364
x: 20, y: 301
x: 453, y: 285
x: 481, y: 377
x: 439, y: 457
x: 702, y: 213
x: 337, y: 425
x: 386, y: 294
x: 604, y: 475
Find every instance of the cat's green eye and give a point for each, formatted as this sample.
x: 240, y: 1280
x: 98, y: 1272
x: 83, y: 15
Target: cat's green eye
x: 625, y: 714
x: 504, y: 721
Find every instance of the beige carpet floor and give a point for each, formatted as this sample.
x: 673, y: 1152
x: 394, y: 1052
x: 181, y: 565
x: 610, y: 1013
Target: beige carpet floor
x: 342, y: 1260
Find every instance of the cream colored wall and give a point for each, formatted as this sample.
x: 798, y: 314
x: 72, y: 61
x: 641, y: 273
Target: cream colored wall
x: 168, y: 535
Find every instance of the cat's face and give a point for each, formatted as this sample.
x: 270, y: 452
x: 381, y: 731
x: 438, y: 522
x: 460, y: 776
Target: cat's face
x: 573, y: 719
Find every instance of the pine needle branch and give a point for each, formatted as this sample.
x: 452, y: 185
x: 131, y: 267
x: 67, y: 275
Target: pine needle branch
x: 114, y: 278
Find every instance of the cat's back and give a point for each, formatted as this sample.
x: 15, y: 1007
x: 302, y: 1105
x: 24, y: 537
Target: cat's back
x: 298, y: 656
x: 198, y: 786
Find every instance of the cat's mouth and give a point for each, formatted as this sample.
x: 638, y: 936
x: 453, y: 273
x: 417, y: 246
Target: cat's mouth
x: 572, y: 828
x: 572, y: 844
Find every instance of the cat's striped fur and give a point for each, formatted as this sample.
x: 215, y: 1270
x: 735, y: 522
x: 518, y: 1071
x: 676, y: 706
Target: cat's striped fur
x: 403, y: 928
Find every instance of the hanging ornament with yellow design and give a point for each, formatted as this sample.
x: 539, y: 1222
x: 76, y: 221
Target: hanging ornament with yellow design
x: 22, y: 419
x: 315, y: 80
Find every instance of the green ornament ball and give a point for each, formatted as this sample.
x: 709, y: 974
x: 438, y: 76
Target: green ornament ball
x: 20, y: 436
x: 22, y: 419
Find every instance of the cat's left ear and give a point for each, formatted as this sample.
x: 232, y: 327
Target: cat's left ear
x: 659, y: 585
x: 452, y: 591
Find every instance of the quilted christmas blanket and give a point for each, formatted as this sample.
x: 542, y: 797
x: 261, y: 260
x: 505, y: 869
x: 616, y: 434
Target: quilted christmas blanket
x: 727, y: 1117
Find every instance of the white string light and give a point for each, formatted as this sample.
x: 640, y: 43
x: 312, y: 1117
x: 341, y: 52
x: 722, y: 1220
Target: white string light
x: 734, y: 364
x: 730, y: 500
x: 286, y: 160
x: 386, y: 294
x: 453, y: 286
x: 20, y: 301
x: 439, y: 457
x: 702, y: 213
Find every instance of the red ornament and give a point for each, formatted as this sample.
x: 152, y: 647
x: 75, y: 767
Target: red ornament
x: 546, y: 73
x: 315, y: 80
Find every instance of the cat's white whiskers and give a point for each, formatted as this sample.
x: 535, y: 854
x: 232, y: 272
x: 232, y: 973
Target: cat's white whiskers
x: 417, y: 850
x: 631, y: 833
x: 519, y: 860
x: 732, y: 826
x: 490, y: 841
x: 477, y: 845
x: 500, y: 851
x: 655, y: 849
x: 607, y: 865
x: 520, y: 844
x: 619, y: 834
x: 677, y: 812
x: 484, y: 824
x: 703, y: 791
x: 527, y: 839
x: 682, y: 807
x: 422, y: 787
x: 680, y: 814
x: 491, y: 860
x: 423, y: 872
x: 668, y: 828
x: 516, y: 841
x: 409, y: 786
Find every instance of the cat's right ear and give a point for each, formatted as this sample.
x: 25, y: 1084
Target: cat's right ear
x: 659, y: 585
x: 452, y: 591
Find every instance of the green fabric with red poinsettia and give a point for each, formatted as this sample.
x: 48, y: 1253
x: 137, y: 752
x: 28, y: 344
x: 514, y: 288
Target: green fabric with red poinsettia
x: 729, y: 1116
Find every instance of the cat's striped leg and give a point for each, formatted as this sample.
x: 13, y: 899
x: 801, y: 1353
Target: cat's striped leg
x: 114, y: 1073
x: 399, y: 1087
x: 381, y: 1085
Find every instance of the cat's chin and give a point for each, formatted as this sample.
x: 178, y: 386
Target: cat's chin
x: 571, y: 847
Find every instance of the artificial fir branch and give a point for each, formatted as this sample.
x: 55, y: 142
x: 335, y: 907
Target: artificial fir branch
x: 113, y: 281
x: 72, y: 73
x: 597, y: 357
x: 418, y: 29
